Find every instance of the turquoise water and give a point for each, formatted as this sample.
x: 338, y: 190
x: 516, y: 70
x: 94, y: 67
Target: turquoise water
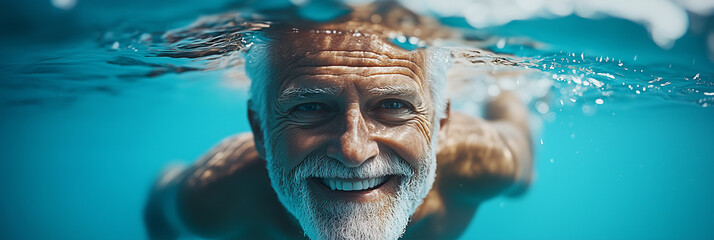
x: 86, y: 126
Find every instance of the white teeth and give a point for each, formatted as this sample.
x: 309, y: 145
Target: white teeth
x: 340, y: 185
x: 346, y: 186
x: 357, y: 185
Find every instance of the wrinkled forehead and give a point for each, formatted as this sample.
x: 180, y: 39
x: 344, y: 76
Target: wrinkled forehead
x: 331, y: 45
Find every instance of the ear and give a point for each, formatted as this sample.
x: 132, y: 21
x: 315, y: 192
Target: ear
x: 257, y: 131
x: 447, y: 112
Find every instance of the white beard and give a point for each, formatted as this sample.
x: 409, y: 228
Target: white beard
x: 385, y: 218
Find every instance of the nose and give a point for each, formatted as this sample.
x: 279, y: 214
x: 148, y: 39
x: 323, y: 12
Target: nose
x: 355, y: 144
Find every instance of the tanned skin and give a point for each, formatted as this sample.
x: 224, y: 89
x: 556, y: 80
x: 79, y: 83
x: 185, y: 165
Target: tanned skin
x: 227, y: 193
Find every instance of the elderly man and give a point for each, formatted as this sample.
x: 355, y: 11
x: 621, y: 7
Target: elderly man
x: 352, y: 138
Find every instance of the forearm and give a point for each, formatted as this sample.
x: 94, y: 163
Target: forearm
x: 510, y: 117
x: 474, y: 162
x: 519, y: 145
x: 482, y: 158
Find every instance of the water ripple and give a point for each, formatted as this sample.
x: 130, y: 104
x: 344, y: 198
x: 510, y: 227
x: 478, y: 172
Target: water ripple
x: 127, y: 54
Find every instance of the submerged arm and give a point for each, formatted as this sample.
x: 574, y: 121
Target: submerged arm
x: 479, y: 159
x: 510, y: 117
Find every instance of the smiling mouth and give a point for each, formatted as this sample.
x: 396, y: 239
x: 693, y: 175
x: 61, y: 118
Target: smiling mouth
x: 353, y: 185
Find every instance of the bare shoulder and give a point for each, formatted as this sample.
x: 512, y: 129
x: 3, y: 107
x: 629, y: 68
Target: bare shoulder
x: 227, y: 193
x: 231, y: 155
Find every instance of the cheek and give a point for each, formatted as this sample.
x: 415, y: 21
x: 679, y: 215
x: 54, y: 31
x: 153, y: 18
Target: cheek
x: 409, y: 141
x: 292, y: 146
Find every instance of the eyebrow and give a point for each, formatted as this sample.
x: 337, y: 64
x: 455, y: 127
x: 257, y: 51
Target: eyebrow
x: 296, y: 93
x: 392, y: 90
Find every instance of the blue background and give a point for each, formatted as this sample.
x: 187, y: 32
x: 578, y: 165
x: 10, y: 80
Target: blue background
x: 634, y: 169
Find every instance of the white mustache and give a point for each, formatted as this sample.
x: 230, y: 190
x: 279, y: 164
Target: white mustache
x: 321, y: 166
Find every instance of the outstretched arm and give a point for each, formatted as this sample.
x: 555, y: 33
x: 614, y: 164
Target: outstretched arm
x: 481, y: 158
x: 510, y: 117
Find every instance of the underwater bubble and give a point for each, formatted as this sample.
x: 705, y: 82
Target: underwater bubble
x: 413, y: 40
x: 501, y: 43
x: 588, y: 109
x: 493, y: 90
x: 64, y: 4
x: 405, y: 42
x: 542, y: 107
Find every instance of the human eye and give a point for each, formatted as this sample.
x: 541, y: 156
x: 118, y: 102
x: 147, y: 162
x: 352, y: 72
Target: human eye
x: 394, y: 104
x: 394, y: 111
x: 310, y: 107
x: 311, y: 113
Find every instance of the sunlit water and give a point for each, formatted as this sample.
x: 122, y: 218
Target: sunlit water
x: 622, y: 127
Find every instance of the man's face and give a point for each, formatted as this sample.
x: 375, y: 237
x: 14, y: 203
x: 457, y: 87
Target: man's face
x: 349, y: 133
